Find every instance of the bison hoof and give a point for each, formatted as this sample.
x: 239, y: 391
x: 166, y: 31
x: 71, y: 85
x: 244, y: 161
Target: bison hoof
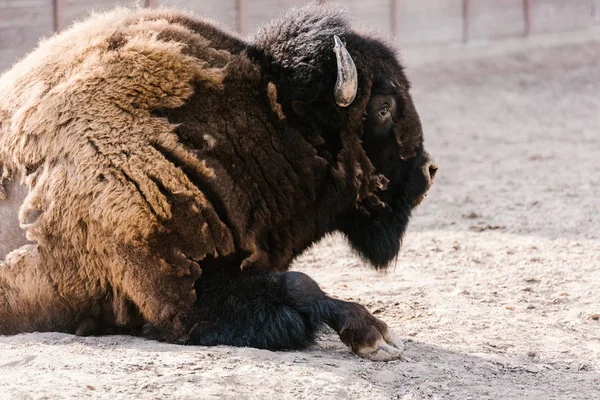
x: 387, y: 348
x: 366, y: 335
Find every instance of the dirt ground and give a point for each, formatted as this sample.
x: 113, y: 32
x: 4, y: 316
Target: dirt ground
x: 496, y: 291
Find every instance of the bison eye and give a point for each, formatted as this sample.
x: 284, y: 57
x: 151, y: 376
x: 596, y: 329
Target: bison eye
x: 384, y: 111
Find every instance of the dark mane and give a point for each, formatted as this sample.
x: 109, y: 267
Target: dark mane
x: 297, y: 50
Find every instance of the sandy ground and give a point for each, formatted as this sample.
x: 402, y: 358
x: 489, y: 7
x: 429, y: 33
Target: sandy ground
x: 496, y: 291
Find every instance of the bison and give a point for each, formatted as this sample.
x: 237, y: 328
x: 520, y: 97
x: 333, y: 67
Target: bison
x: 167, y: 172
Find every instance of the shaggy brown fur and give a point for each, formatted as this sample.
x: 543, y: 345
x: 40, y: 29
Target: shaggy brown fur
x: 78, y: 128
x: 154, y: 145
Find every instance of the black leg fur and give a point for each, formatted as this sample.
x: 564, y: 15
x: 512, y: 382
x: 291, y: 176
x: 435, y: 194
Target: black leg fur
x: 263, y: 310
x: 279, y: 311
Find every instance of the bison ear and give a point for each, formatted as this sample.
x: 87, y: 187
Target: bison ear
x: 301, y: 108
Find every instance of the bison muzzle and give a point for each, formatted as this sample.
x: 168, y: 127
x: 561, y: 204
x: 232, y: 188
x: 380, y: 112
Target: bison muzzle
x: 158, y: 175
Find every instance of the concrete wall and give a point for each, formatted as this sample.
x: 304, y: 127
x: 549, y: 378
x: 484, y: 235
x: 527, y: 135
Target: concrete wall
x: 223, y: 11
x: 496, y: 19
x: 22, y: 23
x: 413, y: 23
x: 77, y: 9
x: 429, y: 22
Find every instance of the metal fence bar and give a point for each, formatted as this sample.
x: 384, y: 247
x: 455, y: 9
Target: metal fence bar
x: 58, y: 15
x: 394, y: 17
x: 241, y: 16
x: 527, y: 17
x: 466, y: 14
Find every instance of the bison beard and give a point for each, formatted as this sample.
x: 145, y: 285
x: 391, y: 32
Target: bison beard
x: 173, y: 171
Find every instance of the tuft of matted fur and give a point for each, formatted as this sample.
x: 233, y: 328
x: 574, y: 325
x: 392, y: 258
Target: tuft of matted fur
x: 77, y: 128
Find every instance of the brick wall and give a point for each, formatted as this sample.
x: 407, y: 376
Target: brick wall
x: 413, y: 23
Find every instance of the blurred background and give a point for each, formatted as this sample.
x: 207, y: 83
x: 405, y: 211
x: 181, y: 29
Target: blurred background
x: 413, y: 24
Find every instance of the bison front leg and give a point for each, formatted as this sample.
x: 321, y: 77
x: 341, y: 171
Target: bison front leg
x: 282, y: 311
x: 366, y: 335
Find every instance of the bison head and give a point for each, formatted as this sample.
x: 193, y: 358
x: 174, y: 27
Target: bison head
x: 349, y: 95
x: 392, y: 140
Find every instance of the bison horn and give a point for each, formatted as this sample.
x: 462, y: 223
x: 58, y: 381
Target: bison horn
x: 346, y: 85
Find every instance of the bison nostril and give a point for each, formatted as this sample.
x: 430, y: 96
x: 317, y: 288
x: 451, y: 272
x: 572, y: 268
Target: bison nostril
x: 432, y: 171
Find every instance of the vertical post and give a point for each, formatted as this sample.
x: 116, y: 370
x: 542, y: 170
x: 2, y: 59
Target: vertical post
x: 527, y: 17
x: 394, y: 18
x: 150, y: 3
x: 241, y: 20
x: 466, y: 14
x: 58, y: 15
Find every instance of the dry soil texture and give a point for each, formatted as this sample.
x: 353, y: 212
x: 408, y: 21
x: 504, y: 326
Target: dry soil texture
x: 496, y: 291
